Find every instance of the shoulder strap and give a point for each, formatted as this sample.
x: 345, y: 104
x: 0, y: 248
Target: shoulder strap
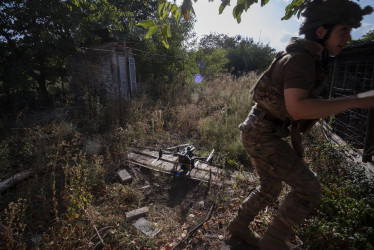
x: 278, y: 56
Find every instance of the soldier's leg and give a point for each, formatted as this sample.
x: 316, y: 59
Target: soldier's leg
x: 305, y: 195
x: 270, y: 185
x: 265, y: 194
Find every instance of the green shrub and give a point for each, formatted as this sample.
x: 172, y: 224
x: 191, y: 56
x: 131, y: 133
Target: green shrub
x: 345, y: 217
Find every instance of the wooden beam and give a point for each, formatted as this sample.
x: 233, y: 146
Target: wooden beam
x: 12, y: 181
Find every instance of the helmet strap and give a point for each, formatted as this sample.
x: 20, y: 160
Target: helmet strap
x: 325, y: 53
x: 328, y: 33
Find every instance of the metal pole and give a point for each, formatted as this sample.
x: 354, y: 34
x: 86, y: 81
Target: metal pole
x: 367, y: 155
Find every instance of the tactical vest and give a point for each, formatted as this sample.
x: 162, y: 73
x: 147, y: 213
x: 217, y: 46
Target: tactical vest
x: 269, y: 95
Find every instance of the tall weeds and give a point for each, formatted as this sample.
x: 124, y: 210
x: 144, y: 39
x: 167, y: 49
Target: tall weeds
x: 206, y: 115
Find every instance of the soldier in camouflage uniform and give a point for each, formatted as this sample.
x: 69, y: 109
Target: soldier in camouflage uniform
x: 286, y: 97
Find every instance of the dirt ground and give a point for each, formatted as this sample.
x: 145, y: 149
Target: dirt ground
x: 192, y: 214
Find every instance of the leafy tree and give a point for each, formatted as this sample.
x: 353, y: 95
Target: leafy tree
x: 368, y: 37
x: 249, y: 56
x: 162, y: 24
x: 164, y: 68
x: 167, y: 9
x: 243, y: 54
x: 36, y: 37
x: 212, y: 41
x: 214, y: 60
x: 28, y: 30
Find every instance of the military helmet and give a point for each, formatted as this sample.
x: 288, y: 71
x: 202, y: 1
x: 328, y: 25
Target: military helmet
x: 320, y: 12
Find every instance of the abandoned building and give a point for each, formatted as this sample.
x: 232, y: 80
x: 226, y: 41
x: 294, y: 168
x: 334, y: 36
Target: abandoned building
x: 107, y: 72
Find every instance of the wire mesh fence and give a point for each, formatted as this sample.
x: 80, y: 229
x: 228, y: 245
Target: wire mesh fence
x: 350, y: 73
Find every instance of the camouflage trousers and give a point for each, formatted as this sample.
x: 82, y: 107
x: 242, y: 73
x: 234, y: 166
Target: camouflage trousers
x: 277, y: 162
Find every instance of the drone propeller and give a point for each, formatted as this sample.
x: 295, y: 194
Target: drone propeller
x: 210, y: 157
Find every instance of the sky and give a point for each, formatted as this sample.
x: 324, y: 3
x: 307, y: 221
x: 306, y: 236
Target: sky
x: 262, y: 24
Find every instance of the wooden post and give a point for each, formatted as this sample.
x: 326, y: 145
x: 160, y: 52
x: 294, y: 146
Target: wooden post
x: 115, y: 77
x: 126, y: 70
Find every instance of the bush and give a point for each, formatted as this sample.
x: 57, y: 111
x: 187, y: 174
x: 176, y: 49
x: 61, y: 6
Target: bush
x: 345, y: 217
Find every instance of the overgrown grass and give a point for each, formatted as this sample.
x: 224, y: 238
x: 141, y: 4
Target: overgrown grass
x: 73, y: 200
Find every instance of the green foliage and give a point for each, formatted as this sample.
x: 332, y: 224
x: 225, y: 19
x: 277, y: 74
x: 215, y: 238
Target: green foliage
x: 152, y: 28
x: 166, y: 9
x: 244, y: 6
x: 211, y: 41
x: 294, y: 8
x: 162, y: 68
x: 215, y: 63
x: 368, y: 37
x: 243, y: 54
x: 150, y: 25
x: 37, y: 37
x: 344, y: 219
x: 249, y: 56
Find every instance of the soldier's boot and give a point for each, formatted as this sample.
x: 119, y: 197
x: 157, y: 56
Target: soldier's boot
x: 270, y: 244
x: 275, y: 237
x: 239, y: 231
x: 251, y: 206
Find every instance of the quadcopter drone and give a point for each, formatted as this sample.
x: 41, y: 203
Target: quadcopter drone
x: 186, y: 158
